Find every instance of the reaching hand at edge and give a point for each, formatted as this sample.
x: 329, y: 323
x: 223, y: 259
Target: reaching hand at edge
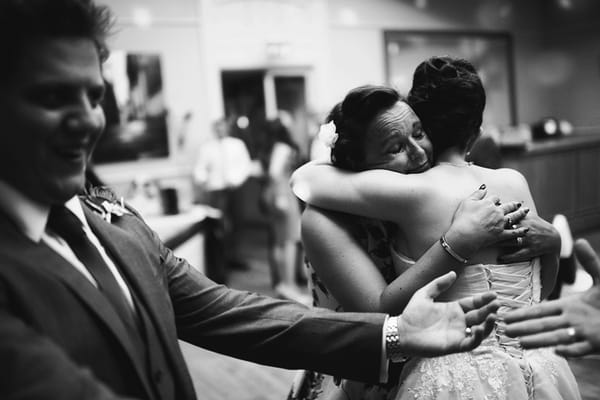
x: 427, y: 328
x: 571, y: 323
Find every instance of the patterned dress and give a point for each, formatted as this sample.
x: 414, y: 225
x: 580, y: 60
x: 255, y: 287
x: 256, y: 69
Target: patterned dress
x: 374, y: 236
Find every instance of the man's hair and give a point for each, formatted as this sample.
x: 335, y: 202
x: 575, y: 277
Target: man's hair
x: 448, y: 97
x: 26, y: 21
x: 352, y: 118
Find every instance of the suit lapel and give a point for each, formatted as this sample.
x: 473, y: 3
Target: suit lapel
x: 136, y: 265
x: 40, y: 256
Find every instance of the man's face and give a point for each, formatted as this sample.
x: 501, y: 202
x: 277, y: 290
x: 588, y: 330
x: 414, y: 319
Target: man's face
x: 50, y: 118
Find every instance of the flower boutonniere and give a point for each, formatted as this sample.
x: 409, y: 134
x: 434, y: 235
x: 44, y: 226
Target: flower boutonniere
x: 104, y: 201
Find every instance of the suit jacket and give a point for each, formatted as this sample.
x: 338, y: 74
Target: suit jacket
x: 59, y: 338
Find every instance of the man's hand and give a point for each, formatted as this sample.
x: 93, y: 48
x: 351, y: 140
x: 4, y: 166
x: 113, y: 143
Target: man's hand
x: 570, y: 323
x: 431, y: 329
x: 542, y: 238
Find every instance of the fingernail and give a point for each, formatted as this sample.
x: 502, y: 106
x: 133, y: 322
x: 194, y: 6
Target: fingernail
x: 482, y: 187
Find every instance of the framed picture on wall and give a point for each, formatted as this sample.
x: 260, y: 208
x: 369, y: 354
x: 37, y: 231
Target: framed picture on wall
x: 490, y: 53
x: 134, y: 107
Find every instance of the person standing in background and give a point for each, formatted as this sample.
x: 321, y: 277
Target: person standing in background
x: 222, y: 166
x: 283, y: 210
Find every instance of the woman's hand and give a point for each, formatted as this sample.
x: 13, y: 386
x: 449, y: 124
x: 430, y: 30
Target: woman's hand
x: 481, y: 220
x: 427, y: 328
x: 541, y: 239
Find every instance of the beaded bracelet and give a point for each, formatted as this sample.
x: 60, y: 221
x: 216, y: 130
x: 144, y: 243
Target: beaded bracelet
x: 450, y: 251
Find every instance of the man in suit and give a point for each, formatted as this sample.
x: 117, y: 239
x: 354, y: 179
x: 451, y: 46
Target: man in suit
x: 92, y: 304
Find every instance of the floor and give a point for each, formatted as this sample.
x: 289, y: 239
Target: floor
x: 218, y: 377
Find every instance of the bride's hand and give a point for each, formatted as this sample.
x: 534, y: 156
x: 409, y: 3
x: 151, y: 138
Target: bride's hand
x: 427, y: 328
x: 481, y: 220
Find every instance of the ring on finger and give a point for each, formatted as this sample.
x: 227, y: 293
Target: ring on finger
x: 571, y: 333
x: 468, y: 331
x: 519, y: 241
x: 514, y: 226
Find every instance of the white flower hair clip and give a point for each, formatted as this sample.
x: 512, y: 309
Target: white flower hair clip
x: 328, y: 135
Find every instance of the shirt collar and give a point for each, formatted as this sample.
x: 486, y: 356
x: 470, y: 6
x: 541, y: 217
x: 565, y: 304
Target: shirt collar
x: 30, y: 216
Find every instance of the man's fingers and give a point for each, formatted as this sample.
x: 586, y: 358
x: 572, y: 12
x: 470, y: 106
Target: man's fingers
x: 549, y: 338
x: 575, y: 349
x: 536, y: 326
x: 545, y: 309
x: 479, y: 315
x: 489, y: 324
x: 471, y: 303
x: 434, y: 288
x: 588, y: 258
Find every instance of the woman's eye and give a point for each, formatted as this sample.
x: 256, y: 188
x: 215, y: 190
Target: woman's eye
x: 397, y: 148
x: 419, y: 134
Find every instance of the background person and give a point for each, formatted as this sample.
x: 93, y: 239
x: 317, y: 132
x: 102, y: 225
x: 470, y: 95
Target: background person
x: 223, y: 165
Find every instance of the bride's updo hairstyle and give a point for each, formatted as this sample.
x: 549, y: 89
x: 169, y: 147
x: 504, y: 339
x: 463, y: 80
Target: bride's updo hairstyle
x: 352, y: 118
x: 448, y: 97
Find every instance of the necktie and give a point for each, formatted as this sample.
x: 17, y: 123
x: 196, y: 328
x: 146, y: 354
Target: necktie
x: 69, y: 227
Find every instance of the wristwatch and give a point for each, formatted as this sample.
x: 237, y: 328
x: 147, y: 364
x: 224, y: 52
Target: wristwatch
x: 392, y: 341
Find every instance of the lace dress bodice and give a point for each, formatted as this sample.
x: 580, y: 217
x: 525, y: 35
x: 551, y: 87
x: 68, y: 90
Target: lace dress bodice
x: 499, y: 369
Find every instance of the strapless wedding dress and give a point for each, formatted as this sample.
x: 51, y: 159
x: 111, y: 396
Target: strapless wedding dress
x: 499, y: 369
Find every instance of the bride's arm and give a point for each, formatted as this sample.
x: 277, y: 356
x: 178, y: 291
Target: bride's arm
x: 377, y: 193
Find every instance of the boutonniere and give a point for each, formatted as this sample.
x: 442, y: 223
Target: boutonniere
x: 104, y: 202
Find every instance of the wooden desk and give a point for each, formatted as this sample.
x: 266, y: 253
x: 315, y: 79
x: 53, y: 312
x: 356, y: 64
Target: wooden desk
x: 564, y: 177
x: 187, y: 233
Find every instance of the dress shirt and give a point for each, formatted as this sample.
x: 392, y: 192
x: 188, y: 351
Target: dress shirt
x: 31, y: 218
x: 222, y: 164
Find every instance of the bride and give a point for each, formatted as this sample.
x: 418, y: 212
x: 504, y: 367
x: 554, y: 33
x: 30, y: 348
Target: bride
x: 449, y: 98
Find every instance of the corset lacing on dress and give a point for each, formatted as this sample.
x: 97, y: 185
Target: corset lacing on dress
x: 515, y: 289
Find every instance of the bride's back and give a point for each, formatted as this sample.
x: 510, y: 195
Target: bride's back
x: 423, y: 222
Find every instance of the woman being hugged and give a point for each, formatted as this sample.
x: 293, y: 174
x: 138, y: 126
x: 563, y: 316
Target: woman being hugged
x: 449, y: 99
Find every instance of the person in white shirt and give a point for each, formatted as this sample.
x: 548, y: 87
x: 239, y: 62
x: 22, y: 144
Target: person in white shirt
x: 223, y: 165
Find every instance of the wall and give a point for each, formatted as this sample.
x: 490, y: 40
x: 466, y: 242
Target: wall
x: 357, y: 49
x: 339, y: 45
x: 572, y: 42
x: 171, y: 29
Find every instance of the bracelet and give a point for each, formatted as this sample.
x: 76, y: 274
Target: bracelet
x: 449, y: 250
x: 392, y: 341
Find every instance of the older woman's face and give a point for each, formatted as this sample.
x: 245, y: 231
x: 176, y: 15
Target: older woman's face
x: 396, y: 141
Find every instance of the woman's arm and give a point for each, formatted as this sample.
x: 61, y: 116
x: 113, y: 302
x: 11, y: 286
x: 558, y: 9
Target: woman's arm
x: 374, y: 193
x: 355, y: 281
